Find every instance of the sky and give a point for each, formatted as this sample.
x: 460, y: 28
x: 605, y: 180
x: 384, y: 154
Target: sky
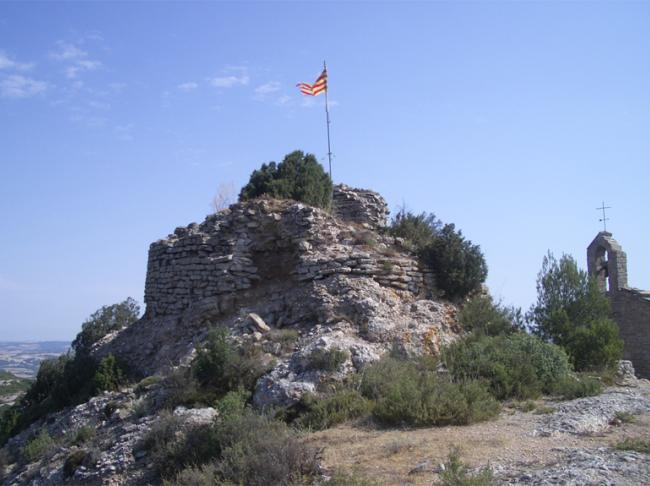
x: 121, y: 121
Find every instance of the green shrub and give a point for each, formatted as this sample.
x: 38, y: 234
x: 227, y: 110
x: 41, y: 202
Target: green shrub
x: 327, y: 359
x: 73, y: 461
x: 83, y: 434
x: 221, y: 367
x: 257, y: 450
x: 625, y: 417
x: 109, y: 375
x: 637, y: 444
x: 233, y: 403
x: 456, y: 473
x: 322, y: 413
x: 411, y: 393
x: 285, y: 337
x: 38, y: 447
x: 572, y: 387
x: 458, y: 264
x: 517, y: 366
x: 299, y: 176
x: 481, y: 315
x: 596, y: 345
x: 148, y: 382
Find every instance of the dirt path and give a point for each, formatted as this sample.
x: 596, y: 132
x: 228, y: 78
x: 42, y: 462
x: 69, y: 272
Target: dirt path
x: 511, y: 441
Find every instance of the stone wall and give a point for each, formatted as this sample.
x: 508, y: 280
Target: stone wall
x: 630, y: 308
x: 631, y: 311
x: 360, y: 206
x: 264, y: 241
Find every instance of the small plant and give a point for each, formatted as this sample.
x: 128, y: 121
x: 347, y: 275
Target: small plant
x: 285, y: 337
x: 233, y: 403
x: 323, y: 413
x: 572, y: 387
x: 205, y: 475
x: 527, y: 406
x: 38, y: 447
x: 456, y: 473
x: 365, y: 238
x: 543, y: 410
x: 73, y: 461
x: 326, y: 359
x: 637, y: 444
x: 146, y: 383
x: 625, y: 417
x: 350, y: 478
x: 83, y: 434
x: 387, y: 267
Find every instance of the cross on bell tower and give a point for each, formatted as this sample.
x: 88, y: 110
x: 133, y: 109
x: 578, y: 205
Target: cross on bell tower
x: 604, y: 219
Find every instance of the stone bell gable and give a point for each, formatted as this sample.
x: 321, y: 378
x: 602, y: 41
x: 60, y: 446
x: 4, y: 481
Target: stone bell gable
x: 630, y: 307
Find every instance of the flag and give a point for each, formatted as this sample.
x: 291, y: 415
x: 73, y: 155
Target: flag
x: 319, y: 86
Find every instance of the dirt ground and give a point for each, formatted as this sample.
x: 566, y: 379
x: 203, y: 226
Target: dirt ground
x: 388, y: 455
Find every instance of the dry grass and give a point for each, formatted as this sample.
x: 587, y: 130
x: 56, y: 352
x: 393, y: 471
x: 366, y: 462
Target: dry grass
x: 387, y: 456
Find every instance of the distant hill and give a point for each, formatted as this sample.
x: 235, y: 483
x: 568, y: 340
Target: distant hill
x: 11, y: 387
x: 22, y: 359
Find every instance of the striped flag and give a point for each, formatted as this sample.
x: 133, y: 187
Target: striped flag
x: 319, y: 86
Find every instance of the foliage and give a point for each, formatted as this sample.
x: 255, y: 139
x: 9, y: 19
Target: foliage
x: 571, y: 387
x: 572, y: 312
x: 458, y: 264
x: 83, y: 434
x: 481, y: 315
x: 322, y: 413
x: 410, y: 392
x: 242, y: 448
x: 327, y: 359
x: 71, y: 378
x: 107, y: 319
x: 220, y: 366
x: 299, y: 176
x: 109, y: 375
x: 233, y: 403
x: 73, y: 461
x: 456, y: 473
x: 347, y: 478
x: 515, y: 366
x: 36, y: 448
x: 637, y: 444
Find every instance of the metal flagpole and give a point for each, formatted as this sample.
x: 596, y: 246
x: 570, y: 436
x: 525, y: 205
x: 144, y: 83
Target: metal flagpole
x: 327, y: 117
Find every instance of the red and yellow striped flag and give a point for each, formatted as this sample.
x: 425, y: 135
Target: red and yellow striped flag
x: 319, y: 86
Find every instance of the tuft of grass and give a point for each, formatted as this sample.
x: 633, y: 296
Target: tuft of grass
x: 73, y: 461
x: 285, y: 337
x: 625, y: 417
x: 527, y: 406
x: 637, y: 444
x: 83, y: 434
x: 544, y: 409
x: 457, y: 473
x: 327, y: 359
x: 38, y: 447
x: 350, y: 478
x: 146, y: 383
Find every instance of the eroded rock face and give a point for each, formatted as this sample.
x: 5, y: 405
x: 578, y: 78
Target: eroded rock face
x: 267, y: 265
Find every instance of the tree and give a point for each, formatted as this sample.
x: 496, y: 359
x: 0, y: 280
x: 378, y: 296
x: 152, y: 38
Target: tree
x: 299, y: 176
x: 107, y: 319
x: 572, y: 312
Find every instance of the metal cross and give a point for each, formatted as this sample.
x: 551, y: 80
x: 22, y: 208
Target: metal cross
x: 604, y: 219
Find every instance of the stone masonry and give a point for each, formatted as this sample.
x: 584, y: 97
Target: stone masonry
x: 263, y: 240
x: 630, y: 307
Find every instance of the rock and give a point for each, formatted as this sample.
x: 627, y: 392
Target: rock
x: 257, y: 323
x: 625, y: 375
x: 196, y: 416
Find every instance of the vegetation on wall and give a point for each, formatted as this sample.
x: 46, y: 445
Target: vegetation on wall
x: 299, y: 176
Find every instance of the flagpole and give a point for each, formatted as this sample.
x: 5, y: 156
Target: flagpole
x: 327, y: 118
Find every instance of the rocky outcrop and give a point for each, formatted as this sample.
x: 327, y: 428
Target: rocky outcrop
x: 266, y: 265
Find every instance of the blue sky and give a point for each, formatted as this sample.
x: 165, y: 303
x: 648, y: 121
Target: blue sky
x: 119, y: 121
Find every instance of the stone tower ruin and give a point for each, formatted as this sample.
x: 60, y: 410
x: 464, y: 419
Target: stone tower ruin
x: 630, y: 307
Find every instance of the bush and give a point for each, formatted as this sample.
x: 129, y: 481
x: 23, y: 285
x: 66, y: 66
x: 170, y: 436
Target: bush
x: 326, y: 359
x: 517, y: 366
x: 83, y: 434
x: 458, y: 264
x: 221, y: 367
x: 73, y: 461
x: 206, y: 475
x: 411, y: 393
x: 109, y: 375
x: 299, y: 176
x: 322, y: 413
x: 456, y: 473
x: 481, y: 315
x: 38, y: 447
x: 637, y: 444
x: 572, y: 312
x: 572, y: 387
